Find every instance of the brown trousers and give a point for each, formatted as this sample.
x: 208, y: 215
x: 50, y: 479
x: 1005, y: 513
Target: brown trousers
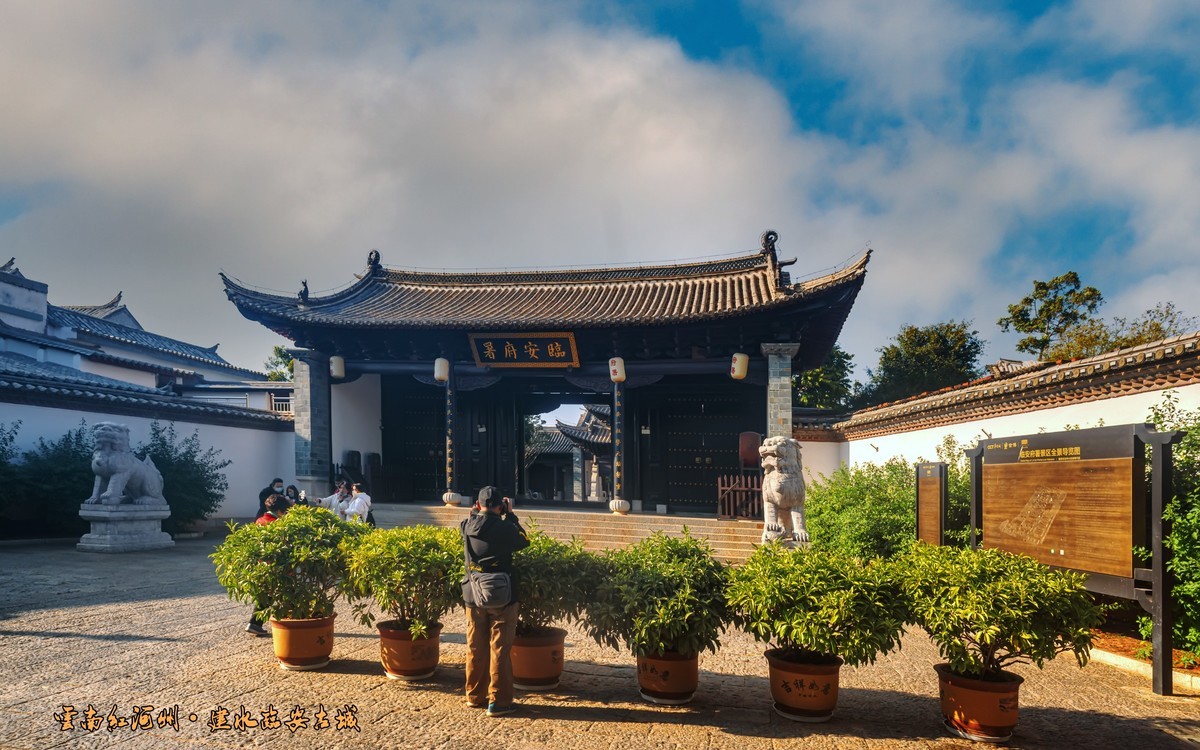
x: 490, y: 635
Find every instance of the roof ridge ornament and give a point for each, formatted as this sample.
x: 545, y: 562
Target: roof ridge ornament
x: 373, y: 262
x: 303, y: 295
x: 768, y: 240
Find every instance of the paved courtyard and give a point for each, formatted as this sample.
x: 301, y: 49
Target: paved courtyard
x: 131, y: 635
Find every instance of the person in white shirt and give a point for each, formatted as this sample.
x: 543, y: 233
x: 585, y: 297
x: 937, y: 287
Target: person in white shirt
x: 337, y: 501
x: 359, y: 506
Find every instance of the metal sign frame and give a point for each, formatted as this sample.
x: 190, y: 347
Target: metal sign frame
x: 1150, y: 587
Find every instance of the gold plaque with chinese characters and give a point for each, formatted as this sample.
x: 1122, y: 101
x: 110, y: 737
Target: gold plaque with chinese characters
x: 527, y: 350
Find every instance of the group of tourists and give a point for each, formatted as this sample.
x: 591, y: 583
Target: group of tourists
x: 349, y: 501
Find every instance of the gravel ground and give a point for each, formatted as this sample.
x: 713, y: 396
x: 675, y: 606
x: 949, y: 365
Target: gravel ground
x: 138, y: 633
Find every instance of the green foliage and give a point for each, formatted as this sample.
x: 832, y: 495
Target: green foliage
x: 987, y: 609
x: 411, y: 573
x: 280, y: 365
x: 958, y: 486
x: 865, y: 510
x: 8, y: 465
x: 1094, y: 336
x: 1182, y: 512
x: 828, y: 386
x: 291, y: 568
x: 814, y: 604
x: 662, y: 594
x: 554, y: 579
x: 193, y: 482
x: 1053, y: 309
x: 923, y: 359
x: 58, y: 473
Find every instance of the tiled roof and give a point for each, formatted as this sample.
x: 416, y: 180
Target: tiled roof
x: 600, y: 297
x: 557, y: 444
x: 595, y: 439
x: 1158, y: 365
x: 107, y: 310
x: 23, y: 379
x: 104, y: 329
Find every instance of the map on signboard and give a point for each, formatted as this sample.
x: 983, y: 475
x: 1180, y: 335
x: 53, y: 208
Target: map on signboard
x: 1033, y: 522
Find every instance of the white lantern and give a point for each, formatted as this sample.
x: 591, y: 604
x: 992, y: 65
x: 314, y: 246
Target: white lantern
x: 739, y: 366
x: 441, y: 369
x: 337, y: 367
x: 616, y: 370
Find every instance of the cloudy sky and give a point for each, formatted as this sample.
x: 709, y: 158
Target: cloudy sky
x: 975, y: 146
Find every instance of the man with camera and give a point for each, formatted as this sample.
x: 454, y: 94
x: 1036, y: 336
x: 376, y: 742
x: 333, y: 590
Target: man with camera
x: 491, y: 534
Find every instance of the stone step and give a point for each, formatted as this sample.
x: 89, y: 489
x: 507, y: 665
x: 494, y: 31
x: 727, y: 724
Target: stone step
x: 732, y: 541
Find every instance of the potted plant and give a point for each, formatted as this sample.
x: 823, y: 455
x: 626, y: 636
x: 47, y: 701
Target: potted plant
x: 553, y: 579
x: 664, y: 599
x: 819, y: 610
x: 986, y: 610
x: 412, y: 575
x: 291, y: 571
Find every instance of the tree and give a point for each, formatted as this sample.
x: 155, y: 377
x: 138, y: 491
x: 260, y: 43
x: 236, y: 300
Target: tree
x: 922, y: 359
x: 1054, y: 308
x: 1094, y: 336
x: 828, y: 386
x: 280, y: 365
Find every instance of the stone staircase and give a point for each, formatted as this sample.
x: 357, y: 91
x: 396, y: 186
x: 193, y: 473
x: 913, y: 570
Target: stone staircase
x: 732, y: 541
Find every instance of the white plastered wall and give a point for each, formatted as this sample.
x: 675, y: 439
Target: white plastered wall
x: 922, y: 444
x: 822, y: 458
x: 256, y: 455
x: 356, y: 412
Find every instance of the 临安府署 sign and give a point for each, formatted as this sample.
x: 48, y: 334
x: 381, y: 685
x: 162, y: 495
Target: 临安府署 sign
x: 527, y: 350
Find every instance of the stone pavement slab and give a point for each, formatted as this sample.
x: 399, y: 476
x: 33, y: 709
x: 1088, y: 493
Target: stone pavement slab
x: 144, y: 631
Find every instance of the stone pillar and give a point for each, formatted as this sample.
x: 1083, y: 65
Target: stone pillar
x: 578, y: 485
x: 311, y: 409
x: 779, y: 388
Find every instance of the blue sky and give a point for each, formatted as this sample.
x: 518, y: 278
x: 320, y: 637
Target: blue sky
x: 974, y: 146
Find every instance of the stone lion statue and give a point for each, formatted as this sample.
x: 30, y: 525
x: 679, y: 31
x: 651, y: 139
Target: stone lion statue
x: 783, y: 491
x: 120, y: 476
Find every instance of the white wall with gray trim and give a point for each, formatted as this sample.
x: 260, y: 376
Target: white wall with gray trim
x: 257, y: 455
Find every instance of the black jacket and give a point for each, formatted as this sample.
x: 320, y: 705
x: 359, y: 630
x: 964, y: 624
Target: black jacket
x: 493, y: 541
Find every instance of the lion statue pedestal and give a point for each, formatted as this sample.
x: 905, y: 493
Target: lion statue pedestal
x: 127, y: 508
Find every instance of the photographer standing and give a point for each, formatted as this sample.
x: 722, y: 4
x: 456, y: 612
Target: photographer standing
x: 491, y: 534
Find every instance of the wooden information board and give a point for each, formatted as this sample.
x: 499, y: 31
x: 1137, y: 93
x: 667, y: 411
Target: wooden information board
x: 1071, y: 499
x: 932, y: 498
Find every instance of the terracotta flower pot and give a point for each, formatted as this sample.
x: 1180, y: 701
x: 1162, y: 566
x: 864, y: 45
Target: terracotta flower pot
x: 668, y: 679
x: 975, y: 709
x: 303, y: 644
x: 803, y: 691
x: 406, y: 658
x: 537, y: 660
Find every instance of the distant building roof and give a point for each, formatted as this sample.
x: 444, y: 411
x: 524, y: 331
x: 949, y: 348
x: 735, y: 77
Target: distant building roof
x: 25, y: 380
x: 89, y: 326
x: 556, y: 443
x: 1147, y: 367
x: 112, y: 311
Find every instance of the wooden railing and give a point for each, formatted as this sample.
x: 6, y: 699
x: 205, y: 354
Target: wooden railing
x: 739, y: 496
x: 281, y: 404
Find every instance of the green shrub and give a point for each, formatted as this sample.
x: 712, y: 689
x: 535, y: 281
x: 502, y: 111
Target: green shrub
x: 958, y: 490
x: 411, y: 573
x: 58, y: 475
x: 8, y: 464
x: 865, y: 510
x: 815, y: 604
x: 292, y: 568
x: 663, y: 594
x: 554, y: 580
x: 1183, y: 513
x: 193, y: 483
x: 987, y: 609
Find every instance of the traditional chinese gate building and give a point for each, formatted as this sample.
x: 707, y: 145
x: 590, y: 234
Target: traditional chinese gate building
x: 520, y: 343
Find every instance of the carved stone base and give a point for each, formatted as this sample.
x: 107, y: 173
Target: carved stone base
x: 618, y: 506
x: 124, y: 528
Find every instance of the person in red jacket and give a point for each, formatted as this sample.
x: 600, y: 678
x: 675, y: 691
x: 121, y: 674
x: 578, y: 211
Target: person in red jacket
x: 276, y: 506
